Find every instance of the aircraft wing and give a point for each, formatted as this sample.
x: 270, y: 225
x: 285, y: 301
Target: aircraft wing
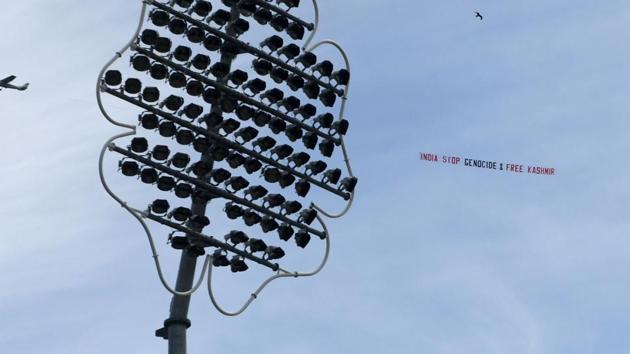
x: 7, y: 80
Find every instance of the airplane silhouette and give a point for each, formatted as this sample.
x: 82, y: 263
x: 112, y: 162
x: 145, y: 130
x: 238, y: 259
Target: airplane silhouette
x: 477, y: 14
x: 5, y: 83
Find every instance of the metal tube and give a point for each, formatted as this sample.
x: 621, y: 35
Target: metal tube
x: 178, y: 322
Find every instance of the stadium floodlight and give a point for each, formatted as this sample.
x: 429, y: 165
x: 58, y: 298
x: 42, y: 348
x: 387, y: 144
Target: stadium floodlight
x: 226, y: 121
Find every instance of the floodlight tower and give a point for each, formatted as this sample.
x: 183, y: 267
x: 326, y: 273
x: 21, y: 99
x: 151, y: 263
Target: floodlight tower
x: 257, y: 121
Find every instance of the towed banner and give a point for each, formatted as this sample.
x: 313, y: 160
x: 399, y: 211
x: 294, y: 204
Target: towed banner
x: 508, y: 167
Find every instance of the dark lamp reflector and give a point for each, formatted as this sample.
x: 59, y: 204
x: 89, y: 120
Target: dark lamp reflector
x: 167, y: 129
x: 219, y: 69
x: 307, y: 111
x: 182, y: 53
x: 285, y: 231
x: 252, y: 165
x: 194, y: 88
x: 302, y: 238
x: 282, y: 151
x: 180, y: 160
x: 220, y: 175
x: 151, y: 94
x: 273, y: 43
x: 160, y: 206
x: 184, y: 137
x: 149, y: 175
x: 211, y: 96
x: 302, y: 188
x: 113, y: 78
x: 174, y: 102
x: 261, y: 118
x: 133, y: 86
x: 274, y: 252
x: 295, y: 82
x: 244, y: 113
x: 220, y: 17
x: 255, y: 86
x: 341, y: 126
x: 177, y: 26
x: 212, y: 43
x: 308, y: 216
x: 256, y: 192
x: 230, y: 125
x: 196, y: 35
x: 247, y: 8
x: 177, y: 80
x: 286, y: 179
x: 166, y: 183
x: 237, y: 183
x: 251, y: 218
x: 279, y: 23
x: 139, y: 145
x: 202, y: 8
x: 312, y: 89
x: 291, y: 207
x: 201, y: 144
x: 198, y: 222
x: 140, y: 63
x: 238, y: 27
x: 328, y: 98
x: 256, y: 245
x: 179, y: 242
x: 183, y: 190
x: 310, y: 140
x: 238, y: 77
x: 262, y: 67
x: 163, y: 45
x: 277, y: 125
x: 219, y: 153
x: 349, y: 183
x: 160, y: 152
x: 264, y: 143
x: 274, y: 200
x: 192, y: 111
x: 158, y: 72
x: 201, y: 168
x: 307, y: 59
x: 296, y: 31
x: 201, y: 62
x: 294, y: 132
x: 291, y: 103
x: 160, y: 18
x: 290, y: 51
x: 333, y: 176
x: 324, y: 68
x: 180, y: 214
x: 263, y: 16
x: 316, y: 167
x: 149, y: 36
x: 327, y: 148
x: 149, y: 121
x: 237, y: 265
x: 129, y: 168
x: 279, y: 75
x: 184, y: 3
x: 219, y: 259
x: 299, y: 159
x: 235, y: 160
x: 233, y: 211
x: 271, y: 174
x: 342, y: 77
x: 236, y: 237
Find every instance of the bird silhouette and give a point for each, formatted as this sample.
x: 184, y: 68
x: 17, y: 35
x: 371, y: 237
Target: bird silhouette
x: 477, y: 14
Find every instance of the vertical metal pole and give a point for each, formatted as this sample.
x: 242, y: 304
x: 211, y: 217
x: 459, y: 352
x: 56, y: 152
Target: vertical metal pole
x: 178, y: 323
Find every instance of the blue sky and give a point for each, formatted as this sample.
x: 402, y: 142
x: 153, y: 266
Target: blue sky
x: 431, y: 259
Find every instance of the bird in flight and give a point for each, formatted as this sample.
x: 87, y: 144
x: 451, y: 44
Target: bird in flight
x: 477, y: 14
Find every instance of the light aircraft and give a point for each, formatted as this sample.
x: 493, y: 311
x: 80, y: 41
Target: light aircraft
x: 5, y: 84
